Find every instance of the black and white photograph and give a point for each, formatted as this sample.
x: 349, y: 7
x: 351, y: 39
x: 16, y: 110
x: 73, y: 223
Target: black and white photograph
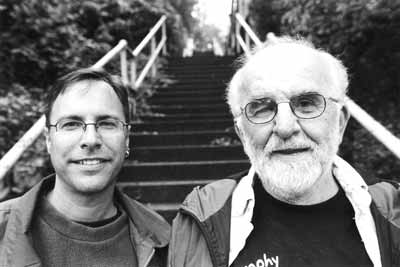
x: 200, y: 133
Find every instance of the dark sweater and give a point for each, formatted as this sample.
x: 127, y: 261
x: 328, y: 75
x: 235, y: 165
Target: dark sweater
x: 62, y: 242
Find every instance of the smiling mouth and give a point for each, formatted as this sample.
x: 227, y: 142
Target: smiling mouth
x: 89, y: 162
x: 290, y: 151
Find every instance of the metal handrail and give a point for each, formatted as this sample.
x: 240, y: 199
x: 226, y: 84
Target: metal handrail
x: 11, y: 157
x: 249, y: 32
x: 390, y: 141
x: 155, y: 50
x: 110, y: 54
x: 239, y: 44
x: 150, y: 35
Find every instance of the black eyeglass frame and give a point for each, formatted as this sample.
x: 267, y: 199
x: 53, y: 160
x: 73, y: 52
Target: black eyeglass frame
x: 243, y: 109
x: 84, y: 124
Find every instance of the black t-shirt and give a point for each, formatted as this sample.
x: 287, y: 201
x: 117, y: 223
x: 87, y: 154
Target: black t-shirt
x: 286, y: 235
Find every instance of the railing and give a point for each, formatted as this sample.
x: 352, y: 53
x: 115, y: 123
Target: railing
x: 121, y: 49
x: 238, y: 44
x: 250, y: 38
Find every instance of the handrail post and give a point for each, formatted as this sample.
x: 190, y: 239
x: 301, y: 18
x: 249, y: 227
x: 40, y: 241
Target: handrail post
x: 234, y: 41
x: 124, y: 67
x: 164, y: 36
x: 237, y: 33
x: 113, y: 52
x: 133, y: 73
x: 233, y: 44
x: 153, y: 49
x: 247, y: 40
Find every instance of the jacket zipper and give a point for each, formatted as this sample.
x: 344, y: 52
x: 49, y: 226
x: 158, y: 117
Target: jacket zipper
x: 204, y: 232
x: 149, y: 258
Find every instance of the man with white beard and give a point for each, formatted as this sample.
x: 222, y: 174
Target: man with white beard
x: 299, y: 204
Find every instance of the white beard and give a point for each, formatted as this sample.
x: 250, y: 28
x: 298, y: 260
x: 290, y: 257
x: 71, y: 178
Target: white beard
x: 290, y: 178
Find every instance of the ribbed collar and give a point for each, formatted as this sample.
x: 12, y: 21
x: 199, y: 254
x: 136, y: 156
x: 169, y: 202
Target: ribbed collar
x: 78, y: 231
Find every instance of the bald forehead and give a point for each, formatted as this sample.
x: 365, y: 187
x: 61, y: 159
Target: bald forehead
x: 288, y: 66
x: 286, y: 57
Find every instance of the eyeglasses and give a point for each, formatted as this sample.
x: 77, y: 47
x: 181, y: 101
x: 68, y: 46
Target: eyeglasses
x: 304, y: 106
x: 103, y: 127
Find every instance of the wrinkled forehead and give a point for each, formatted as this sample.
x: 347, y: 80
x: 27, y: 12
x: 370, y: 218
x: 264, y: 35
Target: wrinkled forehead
x: 286, y: 70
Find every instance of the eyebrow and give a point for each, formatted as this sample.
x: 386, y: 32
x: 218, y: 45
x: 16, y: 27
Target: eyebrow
x: 102, y: 117
x: 302, y: 92
x: 79, y: 118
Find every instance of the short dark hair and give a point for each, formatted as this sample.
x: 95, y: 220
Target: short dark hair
x: 87, y: 74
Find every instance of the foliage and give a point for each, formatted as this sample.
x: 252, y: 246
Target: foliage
x: 18, y: 109
x: 365, y: 34
x: 41, y: 40
x: 185, y: 8
x: 265, y: 15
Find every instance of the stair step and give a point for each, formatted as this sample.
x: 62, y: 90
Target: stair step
x: 173, y: 92
x: 186, y: 100
x: 198, y: 86
x: 192, y: 169
x: 182, y: 125
x: 199, y: 75
x: 182, y: 138
x: 174, y: 117
x: 207, y: 59
x: 188, y: 152
x: 219, y: 67
x: 162, y: 192
x: 210, y: 78
x: 173, y: 109
x: 181, y: 71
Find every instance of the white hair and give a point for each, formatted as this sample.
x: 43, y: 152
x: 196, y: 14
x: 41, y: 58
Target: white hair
x: 235, y: 90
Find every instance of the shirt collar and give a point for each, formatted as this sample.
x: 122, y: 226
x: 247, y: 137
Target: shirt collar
x: 356, y: 191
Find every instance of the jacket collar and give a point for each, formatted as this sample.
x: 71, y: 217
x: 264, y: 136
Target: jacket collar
x: 17, y: 241
x: 148, y: 229
x: 356, y: 191
x: 241, y: 214
x: 354, y: 187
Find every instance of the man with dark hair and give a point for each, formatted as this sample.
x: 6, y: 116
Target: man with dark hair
x: 77, y: 217
x: 299, y: 204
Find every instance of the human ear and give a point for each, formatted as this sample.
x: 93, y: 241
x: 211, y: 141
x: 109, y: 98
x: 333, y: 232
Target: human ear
x: 127, y: 136
x: 238, y: 130
x: 344, y: 117
x: 48, y: 141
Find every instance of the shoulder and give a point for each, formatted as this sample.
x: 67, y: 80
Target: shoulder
x: 386, y: 196
x: 207, y: 200
x: 210, y: 206
x: 146, y: 220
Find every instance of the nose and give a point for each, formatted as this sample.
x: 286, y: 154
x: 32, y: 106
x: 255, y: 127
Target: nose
x: 286, y: 124
x: 90, y: 138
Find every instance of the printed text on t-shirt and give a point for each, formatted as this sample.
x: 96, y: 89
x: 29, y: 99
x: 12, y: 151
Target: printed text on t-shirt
x: 265, y: 261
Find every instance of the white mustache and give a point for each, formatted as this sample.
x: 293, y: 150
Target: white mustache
x: 279, y: 144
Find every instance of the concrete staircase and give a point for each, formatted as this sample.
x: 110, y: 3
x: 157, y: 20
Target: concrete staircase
x: 189, y: 141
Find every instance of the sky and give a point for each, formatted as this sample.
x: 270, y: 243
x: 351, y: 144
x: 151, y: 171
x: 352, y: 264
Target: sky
x: 215, y: 12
